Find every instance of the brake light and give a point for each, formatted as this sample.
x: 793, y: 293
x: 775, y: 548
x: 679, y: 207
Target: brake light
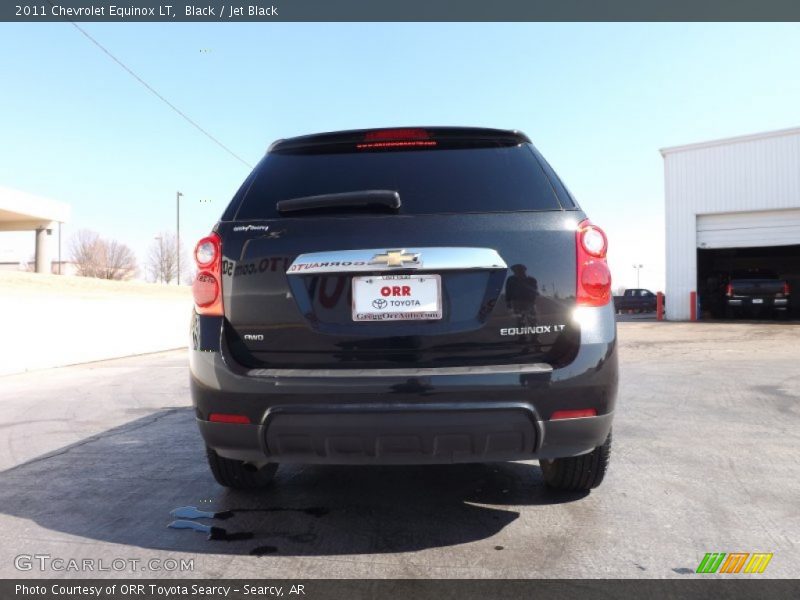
x: 394, y: 135
x: 207, y: 286
x: 729, y: 290
x: 786, y: 288
x: 593, y: 274
x: 396, y: 138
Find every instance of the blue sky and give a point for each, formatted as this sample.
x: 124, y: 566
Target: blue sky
x: 598, y: 100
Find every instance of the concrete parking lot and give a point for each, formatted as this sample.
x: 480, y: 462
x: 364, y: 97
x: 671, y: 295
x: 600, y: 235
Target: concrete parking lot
x: 94, y: 457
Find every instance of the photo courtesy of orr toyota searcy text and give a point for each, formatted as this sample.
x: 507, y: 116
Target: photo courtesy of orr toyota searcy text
x: 157, y: 590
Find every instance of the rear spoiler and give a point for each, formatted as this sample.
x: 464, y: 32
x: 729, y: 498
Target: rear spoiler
x: 399, y: 137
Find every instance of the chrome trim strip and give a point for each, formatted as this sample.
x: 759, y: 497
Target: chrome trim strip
x: 518, y: 369
x: 418, y: 259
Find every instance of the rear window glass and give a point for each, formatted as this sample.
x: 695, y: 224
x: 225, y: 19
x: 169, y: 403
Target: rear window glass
x: 502, y: 178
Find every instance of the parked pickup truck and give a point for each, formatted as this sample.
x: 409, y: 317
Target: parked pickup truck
x: 756, y: 291
x: 637, y: 299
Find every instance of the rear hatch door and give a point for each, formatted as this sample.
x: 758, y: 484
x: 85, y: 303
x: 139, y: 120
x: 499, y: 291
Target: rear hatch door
x: 475, y: 267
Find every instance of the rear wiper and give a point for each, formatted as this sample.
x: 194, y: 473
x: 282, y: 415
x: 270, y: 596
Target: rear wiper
x: 362, y: 199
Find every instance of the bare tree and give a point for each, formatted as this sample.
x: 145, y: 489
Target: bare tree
x: 105, y: 259
x: 86, y: 253
x: 119, y: 261
x: 162, y: 259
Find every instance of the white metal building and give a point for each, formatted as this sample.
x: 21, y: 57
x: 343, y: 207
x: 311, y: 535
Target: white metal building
x: 730, y: 203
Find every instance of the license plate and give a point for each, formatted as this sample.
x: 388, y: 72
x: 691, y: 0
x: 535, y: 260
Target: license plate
x: 758, y: 301
x: 397, y: 298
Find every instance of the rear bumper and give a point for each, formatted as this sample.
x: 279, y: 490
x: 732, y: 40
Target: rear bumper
x: 752, y: 302
x: 446, y: 416
x: 405, y: 435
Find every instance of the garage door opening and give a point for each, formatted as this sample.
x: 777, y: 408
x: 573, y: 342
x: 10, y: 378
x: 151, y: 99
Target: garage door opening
x: 716, y: 267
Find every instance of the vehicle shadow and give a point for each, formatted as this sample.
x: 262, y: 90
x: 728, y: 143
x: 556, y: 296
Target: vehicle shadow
x: 121, y: 485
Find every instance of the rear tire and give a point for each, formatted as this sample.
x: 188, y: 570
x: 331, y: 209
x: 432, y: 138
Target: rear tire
x: 578, y: 473
x: 237, y: 474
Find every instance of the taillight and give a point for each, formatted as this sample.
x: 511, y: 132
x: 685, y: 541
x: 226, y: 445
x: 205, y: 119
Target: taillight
x: 786, y: 288
x: 207, y: 286
x: 593, y: 274
x: 729, y: 290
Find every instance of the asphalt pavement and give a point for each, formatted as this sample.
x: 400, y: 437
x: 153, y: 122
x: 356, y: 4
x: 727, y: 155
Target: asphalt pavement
x: 94, y: 457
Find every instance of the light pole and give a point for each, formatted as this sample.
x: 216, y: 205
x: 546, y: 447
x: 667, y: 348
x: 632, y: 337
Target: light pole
x: 637, y: 267
x: 178, y: 237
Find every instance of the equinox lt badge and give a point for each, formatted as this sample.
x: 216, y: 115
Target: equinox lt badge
x: 532, y: 330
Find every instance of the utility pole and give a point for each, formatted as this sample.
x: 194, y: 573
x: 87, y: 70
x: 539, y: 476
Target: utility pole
x: 637, y: 267
x: 178, y: 237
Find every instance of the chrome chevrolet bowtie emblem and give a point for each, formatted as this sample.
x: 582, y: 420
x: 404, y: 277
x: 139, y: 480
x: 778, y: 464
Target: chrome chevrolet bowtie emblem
x: 396, y: 258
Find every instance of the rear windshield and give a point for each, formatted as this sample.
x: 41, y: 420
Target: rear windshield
x: 501, y: 178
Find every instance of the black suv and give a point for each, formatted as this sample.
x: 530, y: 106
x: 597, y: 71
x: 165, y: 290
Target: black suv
x: 404, y: 296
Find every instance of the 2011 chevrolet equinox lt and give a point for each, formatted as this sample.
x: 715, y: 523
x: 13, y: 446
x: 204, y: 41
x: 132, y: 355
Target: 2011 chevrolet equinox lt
x: 404, y: 296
